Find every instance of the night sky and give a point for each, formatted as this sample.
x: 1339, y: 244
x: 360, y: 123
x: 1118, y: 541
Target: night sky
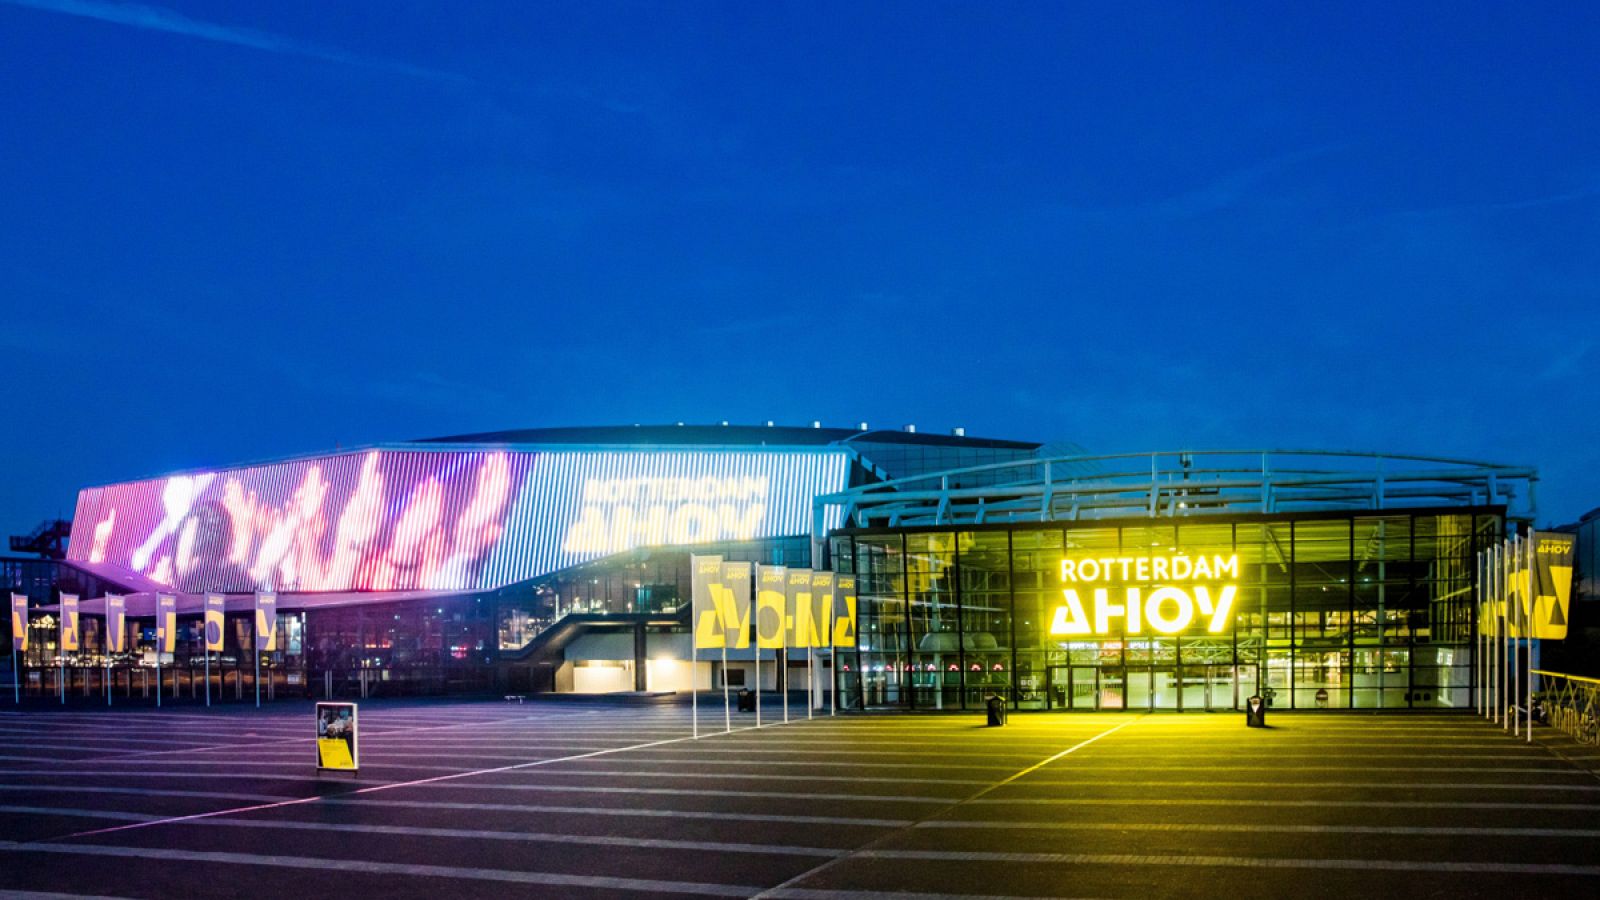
x: 233, y: 232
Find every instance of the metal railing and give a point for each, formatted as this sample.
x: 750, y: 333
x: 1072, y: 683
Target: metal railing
x: 1182, y: 483
x: 1572, y: 704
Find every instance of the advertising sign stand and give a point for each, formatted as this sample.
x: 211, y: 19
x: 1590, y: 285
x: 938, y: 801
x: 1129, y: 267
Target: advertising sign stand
x: 338, y: 738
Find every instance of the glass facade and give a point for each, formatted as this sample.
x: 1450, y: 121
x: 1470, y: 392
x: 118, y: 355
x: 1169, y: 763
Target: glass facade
x: 1364, y: 611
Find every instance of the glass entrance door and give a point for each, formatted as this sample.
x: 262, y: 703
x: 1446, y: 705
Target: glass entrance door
x: 1111, y: 687
x: 1246, y: 682
x: 1074, y: 687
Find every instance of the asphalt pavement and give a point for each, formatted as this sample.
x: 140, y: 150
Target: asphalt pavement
x: 600, y: 799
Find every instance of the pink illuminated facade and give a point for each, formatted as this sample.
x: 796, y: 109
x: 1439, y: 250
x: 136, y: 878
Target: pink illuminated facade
x: 440, y: 519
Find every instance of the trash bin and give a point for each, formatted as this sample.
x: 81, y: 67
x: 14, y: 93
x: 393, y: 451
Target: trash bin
x: 997, y: 710
x: 1255, y: 712
x: 747, y: 700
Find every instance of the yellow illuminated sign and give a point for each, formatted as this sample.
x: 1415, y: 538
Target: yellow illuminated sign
x: 1158, y: 593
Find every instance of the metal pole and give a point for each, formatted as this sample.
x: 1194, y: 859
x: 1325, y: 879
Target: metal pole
x: 811, y: 680
x: 1527, y: 617
x: 694, y: 686
x: 1511, y: 614
x: 208, y: 676
x: 758, y: 677
x: 158, y: 668
x: 783, y: 670
x: 1477, y: 644
x: 16, y: 676
x: 727, y: 707
x: 1503, y: 716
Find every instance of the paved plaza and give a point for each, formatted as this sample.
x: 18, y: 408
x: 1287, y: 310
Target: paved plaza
x: 575, y: 799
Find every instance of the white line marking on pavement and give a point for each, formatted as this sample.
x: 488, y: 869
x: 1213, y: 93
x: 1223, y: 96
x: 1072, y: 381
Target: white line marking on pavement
x: 412, y: 870
x: 823, y: 867
x: 531, y: 837
x: 1274, y: 828
x: 714, y: 815
x: 143, y: 792
x: 1371, y: 785
x: 689, y: 792
x: 1247, y: 862
x: 375, y: 788
x: 78, y: 813
x: 813, y: 894
x: 1233, y: 801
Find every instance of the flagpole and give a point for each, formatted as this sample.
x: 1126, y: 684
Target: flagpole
x: 1502, y: 608
x: 811, y: 679
x: 727, y: 708
x: 208, y: 676
x: 783, y: 671
x: 255, y: 648
x: 755, y: 616
x: 1500, y: 634
x: 1488, y: 656
x: 1527, y: 615
x: 694, y: 683
x: 1477, y: 637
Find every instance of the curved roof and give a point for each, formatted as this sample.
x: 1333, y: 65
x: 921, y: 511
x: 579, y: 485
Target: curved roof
x: 723, y: 435
x: 1183, y: 483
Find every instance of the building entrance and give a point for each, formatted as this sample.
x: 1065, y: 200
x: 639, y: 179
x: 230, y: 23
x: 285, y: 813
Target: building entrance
x: 1195, y: 687
x: 1074, y: 687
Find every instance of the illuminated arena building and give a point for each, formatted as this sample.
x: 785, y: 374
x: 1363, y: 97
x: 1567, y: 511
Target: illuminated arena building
x: 558, y: 560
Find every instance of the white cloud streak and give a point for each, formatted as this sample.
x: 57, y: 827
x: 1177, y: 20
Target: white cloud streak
x: 166, y: 21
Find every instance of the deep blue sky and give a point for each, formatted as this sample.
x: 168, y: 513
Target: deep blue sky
x: 231, y: 233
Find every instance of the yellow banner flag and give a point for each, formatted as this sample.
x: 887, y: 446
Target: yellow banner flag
x: 844, y: 611
x: 771, y: 621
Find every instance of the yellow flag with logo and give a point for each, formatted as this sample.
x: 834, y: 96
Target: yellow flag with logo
x: 1550, y: 587
x: 266, y: 622
x: 214, y: 620
x: 116, y: 623
x: 770, y: 618
x: 166, y: 623
x: 801, y: 622
x: 705, y: 573
x: 19, y: 623
x: 69, y: 623
x: 844, y: 611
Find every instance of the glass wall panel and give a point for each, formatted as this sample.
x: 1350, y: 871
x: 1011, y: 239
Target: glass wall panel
x: 1331, y: 611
